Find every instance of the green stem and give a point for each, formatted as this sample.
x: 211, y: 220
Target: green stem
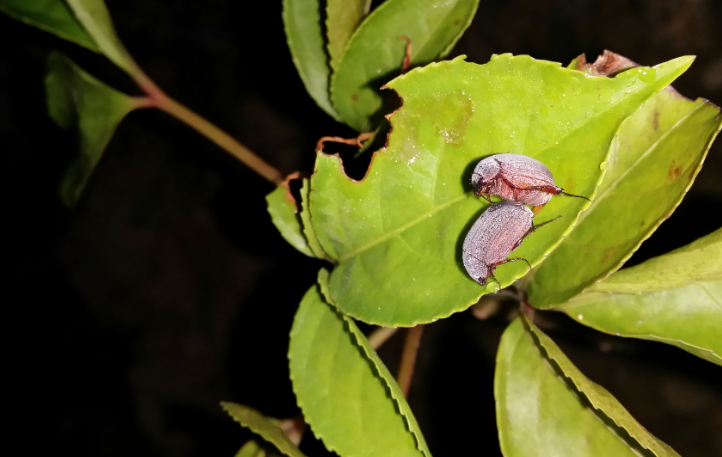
x: 408, y: 358
x: 158, y: 99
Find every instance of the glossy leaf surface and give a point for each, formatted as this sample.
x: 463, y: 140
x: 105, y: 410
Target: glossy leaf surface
x: 283, y: 209
x: 375, y: 54
x: 263, y: 426
x: 302, y: 22
x: 654, y: 160
x: 342, y: 18
x: 397, y: 234
x: 75, y: 96
x: 546, y: 407
x: 53, y: 16
x: 344, y: 399
x: 675, y: 298
x: 95, y: 19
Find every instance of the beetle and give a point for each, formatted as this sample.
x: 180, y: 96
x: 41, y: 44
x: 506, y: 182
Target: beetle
x: 498, y: 231
x: 515, y: 177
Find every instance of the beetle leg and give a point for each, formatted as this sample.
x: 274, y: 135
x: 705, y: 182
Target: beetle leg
x: 572, y: 195
x: 534, y: 227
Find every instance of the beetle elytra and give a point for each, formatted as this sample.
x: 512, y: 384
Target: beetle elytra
x: 515, y: 177
x: 498, y: 231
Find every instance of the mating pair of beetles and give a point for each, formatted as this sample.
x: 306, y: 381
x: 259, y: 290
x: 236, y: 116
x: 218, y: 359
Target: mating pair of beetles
x: 521, y: 181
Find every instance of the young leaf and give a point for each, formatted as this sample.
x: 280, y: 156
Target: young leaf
x: 52, y: 16
x: 72, y: 95
x: 308, y: 229
x: 302, y: 22
x: 283, y: 209
x: 675, y: 298
x: 95, y: 18
x: 397, y: 234
x: 654, y: 159
x: 546, y: 407
x: 342, y: 18
x: 343, y: 397
x: 253, y: 449
x: 263, y: 426
x: 375, y: 54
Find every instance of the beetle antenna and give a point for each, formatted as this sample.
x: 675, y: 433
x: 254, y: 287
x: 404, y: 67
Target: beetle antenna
x: 534, y: 227
x: 572, y: 195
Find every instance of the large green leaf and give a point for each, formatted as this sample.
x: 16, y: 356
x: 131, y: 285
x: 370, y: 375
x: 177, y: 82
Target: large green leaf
x: 73, y: 95
x: 53, y: 16
x: 344, y: 399
x: 675, y: 298
x: 283, y: 209
x: 95, y: 18
x: 397, y: 234
x: 302, y: 22
x: 546, y: 407
x: 263, y: 426
x: 342, y: 18
x: 375, y: 52
x: 653, y: 161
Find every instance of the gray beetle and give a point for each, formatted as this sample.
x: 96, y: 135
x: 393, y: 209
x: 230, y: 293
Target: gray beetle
x: 515, y: 177
x: 498, y: 231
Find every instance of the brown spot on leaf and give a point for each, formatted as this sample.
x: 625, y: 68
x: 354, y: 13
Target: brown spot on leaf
x: 675, y: 171
x: 655, y: 121
x: 354, y: 96
x: 608, y: 254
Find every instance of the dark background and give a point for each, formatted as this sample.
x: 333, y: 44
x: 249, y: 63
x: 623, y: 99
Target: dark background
x: 168, y: 289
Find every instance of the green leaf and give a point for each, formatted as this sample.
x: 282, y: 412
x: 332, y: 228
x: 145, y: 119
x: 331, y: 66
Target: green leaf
x: 284, y: 213
x: 342, y: 18
x: 263, y: 426
x: 95, y: 18
x: 302, y: 22
x: 308, y: 229
x: 397, y: 234
x: 653, y: 161
x: 375, y: 52
x: 344, y: 399
x: 546, y: 407
x: 381, y: 370
x: 52, y: 16
x: 253, y: 449
x: 675, y: 298
x: 74, y: 95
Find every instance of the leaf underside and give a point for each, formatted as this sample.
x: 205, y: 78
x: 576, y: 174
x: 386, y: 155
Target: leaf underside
x: 52, y: 16
x: 264, y: 427
x: 675, y: 298
x: 343, y: 396
x: 546, y: 407
x: 397, y: 234
x: 284, y: 214
x: 75, y: 96
x: 653, y: 161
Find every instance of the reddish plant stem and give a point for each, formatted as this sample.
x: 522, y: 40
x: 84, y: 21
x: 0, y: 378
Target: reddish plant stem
x: 380, y: 335
x: 408, y: 358
x: 158, y: 99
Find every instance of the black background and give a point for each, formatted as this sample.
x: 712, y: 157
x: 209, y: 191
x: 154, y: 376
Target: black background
x: 168, y: 289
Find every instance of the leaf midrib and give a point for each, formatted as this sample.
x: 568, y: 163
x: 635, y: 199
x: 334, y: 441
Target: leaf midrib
x: 402, y: 228
x: 604, y: 193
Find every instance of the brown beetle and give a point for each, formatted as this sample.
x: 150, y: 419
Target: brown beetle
x: 515, y: 177
x: 497, y: 232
